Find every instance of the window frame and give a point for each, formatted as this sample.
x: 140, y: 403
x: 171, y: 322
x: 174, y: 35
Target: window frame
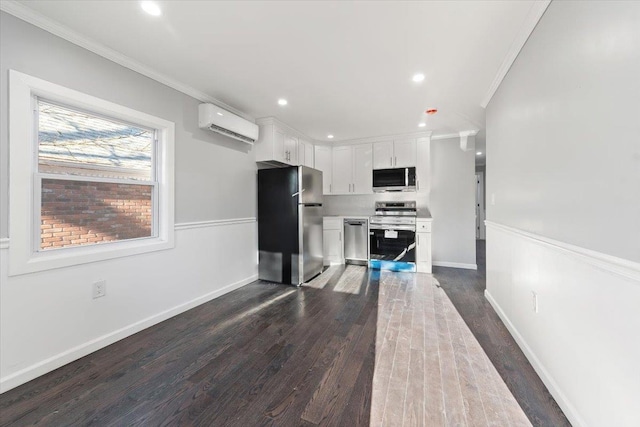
x: 26, y: 256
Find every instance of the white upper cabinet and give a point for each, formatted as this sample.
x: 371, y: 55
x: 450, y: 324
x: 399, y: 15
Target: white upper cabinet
x: 383, y: 155
x: 276, y: 143
x: 404, y: 153
x: 323, y: 162
x: 352, y: 169
x: 342, y: 170
x: 291, y: 150
x: 305, y: 153
x: 363, y: 169
x: 423, y: 166
x: 399, y: 153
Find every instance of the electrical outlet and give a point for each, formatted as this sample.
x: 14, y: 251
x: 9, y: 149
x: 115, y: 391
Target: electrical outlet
x: 534, y: 301
x: 99, y: 289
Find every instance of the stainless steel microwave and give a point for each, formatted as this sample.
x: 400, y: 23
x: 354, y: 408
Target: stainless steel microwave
x: 396, y: 179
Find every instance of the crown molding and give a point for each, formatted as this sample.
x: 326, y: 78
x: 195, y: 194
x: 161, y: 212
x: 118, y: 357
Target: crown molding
x: 27, y: 14
x: 533, y: 17
x: 372, y: 139
x: 274, y: 121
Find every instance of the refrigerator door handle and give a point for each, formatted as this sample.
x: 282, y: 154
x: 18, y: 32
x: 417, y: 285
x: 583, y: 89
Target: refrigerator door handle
x: 299, y: 192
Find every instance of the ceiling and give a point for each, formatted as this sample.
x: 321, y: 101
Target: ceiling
x: 345, y: 67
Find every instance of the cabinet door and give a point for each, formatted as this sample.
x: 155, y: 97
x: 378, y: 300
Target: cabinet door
x: 308, y: 155
x: 332, y: 245
x: 342, y: 176
x: 305, y: 153
x: 279, y: 145
x: 423, y: 252
x: 404, y: 153
x: 291, y: 150
x: 383, y: 155
x: 323, y: 163
x: 362, y: 169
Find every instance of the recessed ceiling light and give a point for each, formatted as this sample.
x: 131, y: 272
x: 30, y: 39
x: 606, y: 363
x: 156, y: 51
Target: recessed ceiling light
x: 330, y: 136
x: 282, y: 101
x: 479, y: 153
x: 151, y: 8
x: 418, y: 77
x: 421, y: 125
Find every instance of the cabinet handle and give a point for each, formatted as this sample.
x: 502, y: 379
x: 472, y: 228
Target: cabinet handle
x: 418, y: 236
x: 391, y: 160
x: 395, y: 161
x: 329, y: 188
x: 340, y: 236
x: 418, y: 185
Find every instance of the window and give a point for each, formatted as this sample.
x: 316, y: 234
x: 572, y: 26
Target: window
x: 90, y: 179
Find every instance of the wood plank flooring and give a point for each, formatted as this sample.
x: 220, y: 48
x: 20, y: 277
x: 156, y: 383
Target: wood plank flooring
x: 465, y: 289
x: 430, y: 370
x: 352, y: 348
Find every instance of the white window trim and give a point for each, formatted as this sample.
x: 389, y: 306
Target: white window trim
x: 22, y: 211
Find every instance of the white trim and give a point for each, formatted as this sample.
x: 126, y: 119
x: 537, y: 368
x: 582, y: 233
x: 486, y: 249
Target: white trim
x: 22, y: 211
x: 553, y: 387
x: 609, y: 263
x: 4, y: 243
x: 48, y: 365
x: 214, y: 223
x: 455, y: 265
x: 446, y: 136
x: 374, y: 139
x: 526, y: 28
x: 32, y: 17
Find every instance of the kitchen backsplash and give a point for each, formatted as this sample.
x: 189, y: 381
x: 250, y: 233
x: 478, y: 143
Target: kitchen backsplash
x: 365, y: 204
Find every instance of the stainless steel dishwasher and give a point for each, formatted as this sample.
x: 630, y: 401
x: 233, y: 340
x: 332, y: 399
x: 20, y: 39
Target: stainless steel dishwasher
x: 356, y: 241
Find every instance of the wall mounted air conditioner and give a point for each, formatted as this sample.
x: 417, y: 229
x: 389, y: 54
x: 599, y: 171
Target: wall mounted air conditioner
x: 226, y: 123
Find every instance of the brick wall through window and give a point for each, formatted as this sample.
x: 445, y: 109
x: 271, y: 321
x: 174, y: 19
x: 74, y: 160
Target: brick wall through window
x: 79, y: 212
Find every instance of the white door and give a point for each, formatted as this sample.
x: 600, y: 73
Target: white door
x: 423, y: 252
x: 322, y: 161
x: 404, y: 153
x: 362, y: 169
x: 383, y: 155
x: 342, y: 176
x: 308, y: 154
x: 279, y: 146
x: 332, y: 245
x: 291, y: 149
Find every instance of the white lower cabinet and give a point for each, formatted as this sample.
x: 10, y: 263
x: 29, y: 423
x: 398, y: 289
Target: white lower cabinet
x: 423, y: 246
x: 333, y: 240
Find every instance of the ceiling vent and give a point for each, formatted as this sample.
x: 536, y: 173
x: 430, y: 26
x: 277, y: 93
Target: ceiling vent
x: 226, y: 123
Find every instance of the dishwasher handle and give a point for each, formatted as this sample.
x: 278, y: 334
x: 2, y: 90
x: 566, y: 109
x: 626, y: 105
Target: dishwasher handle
x: 355, y: 222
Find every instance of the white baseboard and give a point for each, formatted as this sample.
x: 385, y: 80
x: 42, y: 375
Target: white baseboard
x: 553, y: 387
x: 455, y: 265
x: 48, y: 365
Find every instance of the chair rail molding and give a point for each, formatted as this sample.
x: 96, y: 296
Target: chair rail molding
x: 609, y: 263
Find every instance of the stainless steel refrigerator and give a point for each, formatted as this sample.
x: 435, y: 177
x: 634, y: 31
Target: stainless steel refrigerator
x: 289, y: 224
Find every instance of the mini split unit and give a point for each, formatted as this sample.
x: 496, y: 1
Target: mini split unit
x: 226, y: 123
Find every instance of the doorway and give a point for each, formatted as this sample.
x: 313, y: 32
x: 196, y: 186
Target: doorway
x: 480, y: 212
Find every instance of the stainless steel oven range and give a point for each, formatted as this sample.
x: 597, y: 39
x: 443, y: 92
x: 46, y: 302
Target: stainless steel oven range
x: 392, y: 236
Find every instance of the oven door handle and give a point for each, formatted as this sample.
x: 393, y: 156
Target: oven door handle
x: 392, y: 227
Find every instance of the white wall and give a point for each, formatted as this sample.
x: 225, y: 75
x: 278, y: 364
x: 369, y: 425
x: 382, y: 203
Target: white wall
x: 49, y: 318
x: 453, y: 195
x: 563, y: 161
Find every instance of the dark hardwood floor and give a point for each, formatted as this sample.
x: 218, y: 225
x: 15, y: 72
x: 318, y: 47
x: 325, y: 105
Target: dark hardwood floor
x: 465, y: 289
x: 264, y: 354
